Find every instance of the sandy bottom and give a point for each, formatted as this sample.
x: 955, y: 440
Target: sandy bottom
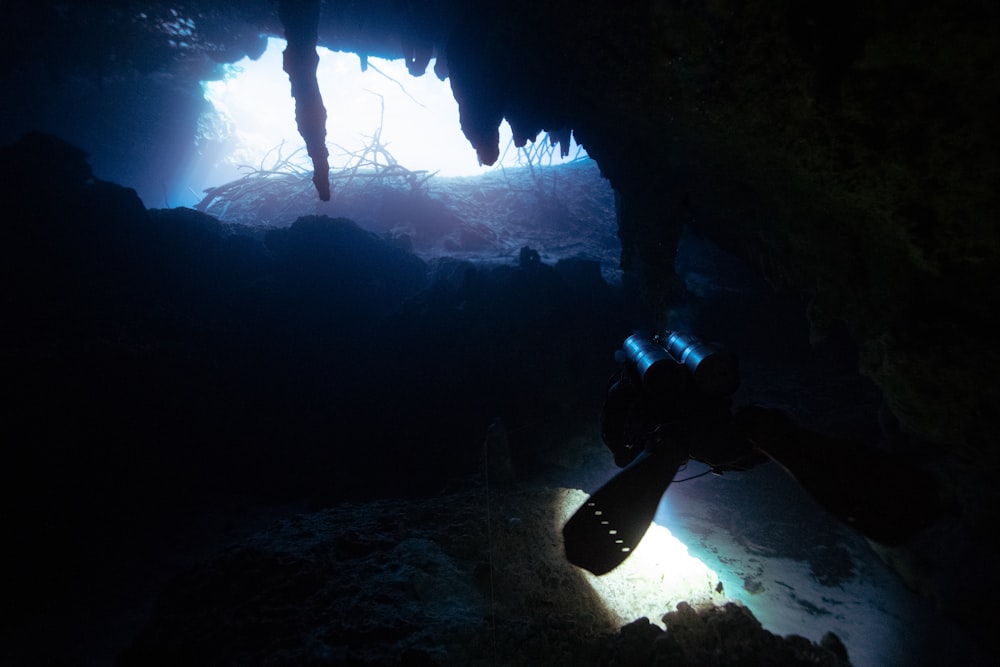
x: 800, y: 572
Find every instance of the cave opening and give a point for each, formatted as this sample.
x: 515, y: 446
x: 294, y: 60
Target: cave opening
x: 374, y: 105
x: 168, y: 359
x: 400, y: 166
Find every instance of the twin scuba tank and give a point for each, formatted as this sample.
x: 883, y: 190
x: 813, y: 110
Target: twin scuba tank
x: 667, y: 364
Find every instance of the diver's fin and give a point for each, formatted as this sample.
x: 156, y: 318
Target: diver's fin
x: 612, y: 522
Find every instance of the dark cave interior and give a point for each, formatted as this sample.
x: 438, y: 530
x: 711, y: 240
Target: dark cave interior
x: 809, y: 184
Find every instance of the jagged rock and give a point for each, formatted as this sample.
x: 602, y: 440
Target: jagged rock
x: 730, y: 635
x: 850, y: 152
x: 477, y: 576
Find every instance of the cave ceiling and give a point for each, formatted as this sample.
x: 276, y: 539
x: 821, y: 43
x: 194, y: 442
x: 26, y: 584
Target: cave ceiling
x: 848, y: 148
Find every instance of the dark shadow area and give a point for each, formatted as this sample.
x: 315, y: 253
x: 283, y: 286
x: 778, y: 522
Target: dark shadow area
x: 174, y: 380
x: 160, y: 358
x: 180, y: 381
x: 421, y: 582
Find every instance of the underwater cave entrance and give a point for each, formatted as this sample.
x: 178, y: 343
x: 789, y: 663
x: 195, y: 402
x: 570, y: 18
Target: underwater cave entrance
x: 251, y: 120
x: 400, y: 168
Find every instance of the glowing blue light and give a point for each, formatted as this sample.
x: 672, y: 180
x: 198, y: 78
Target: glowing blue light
x: 254, y: 113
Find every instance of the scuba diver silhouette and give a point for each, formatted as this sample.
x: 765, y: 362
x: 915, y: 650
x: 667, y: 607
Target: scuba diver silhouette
x: 671, y: 402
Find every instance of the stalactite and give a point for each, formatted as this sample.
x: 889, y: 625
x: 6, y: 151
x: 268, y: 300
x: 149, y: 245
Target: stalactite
x: 417, y: 55
x: 562, y: 136
x: 523, y: 130
x: 301, y: 21
x: 480, y: 82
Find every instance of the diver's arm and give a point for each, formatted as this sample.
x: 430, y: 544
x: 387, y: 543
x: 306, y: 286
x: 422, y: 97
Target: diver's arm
x: 882, y: 497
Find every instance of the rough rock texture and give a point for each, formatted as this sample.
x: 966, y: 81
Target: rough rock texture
x: 719, y: 636
x: 476, y: 577
x: 847, y: 149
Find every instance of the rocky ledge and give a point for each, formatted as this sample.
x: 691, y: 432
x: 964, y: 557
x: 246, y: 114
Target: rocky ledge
x: 474, y: 577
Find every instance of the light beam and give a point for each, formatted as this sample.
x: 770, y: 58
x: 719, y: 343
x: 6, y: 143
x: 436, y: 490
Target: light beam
x: 253, y: 113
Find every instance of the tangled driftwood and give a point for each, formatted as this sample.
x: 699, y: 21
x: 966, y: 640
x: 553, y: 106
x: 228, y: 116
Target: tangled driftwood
x: 282, y: 183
